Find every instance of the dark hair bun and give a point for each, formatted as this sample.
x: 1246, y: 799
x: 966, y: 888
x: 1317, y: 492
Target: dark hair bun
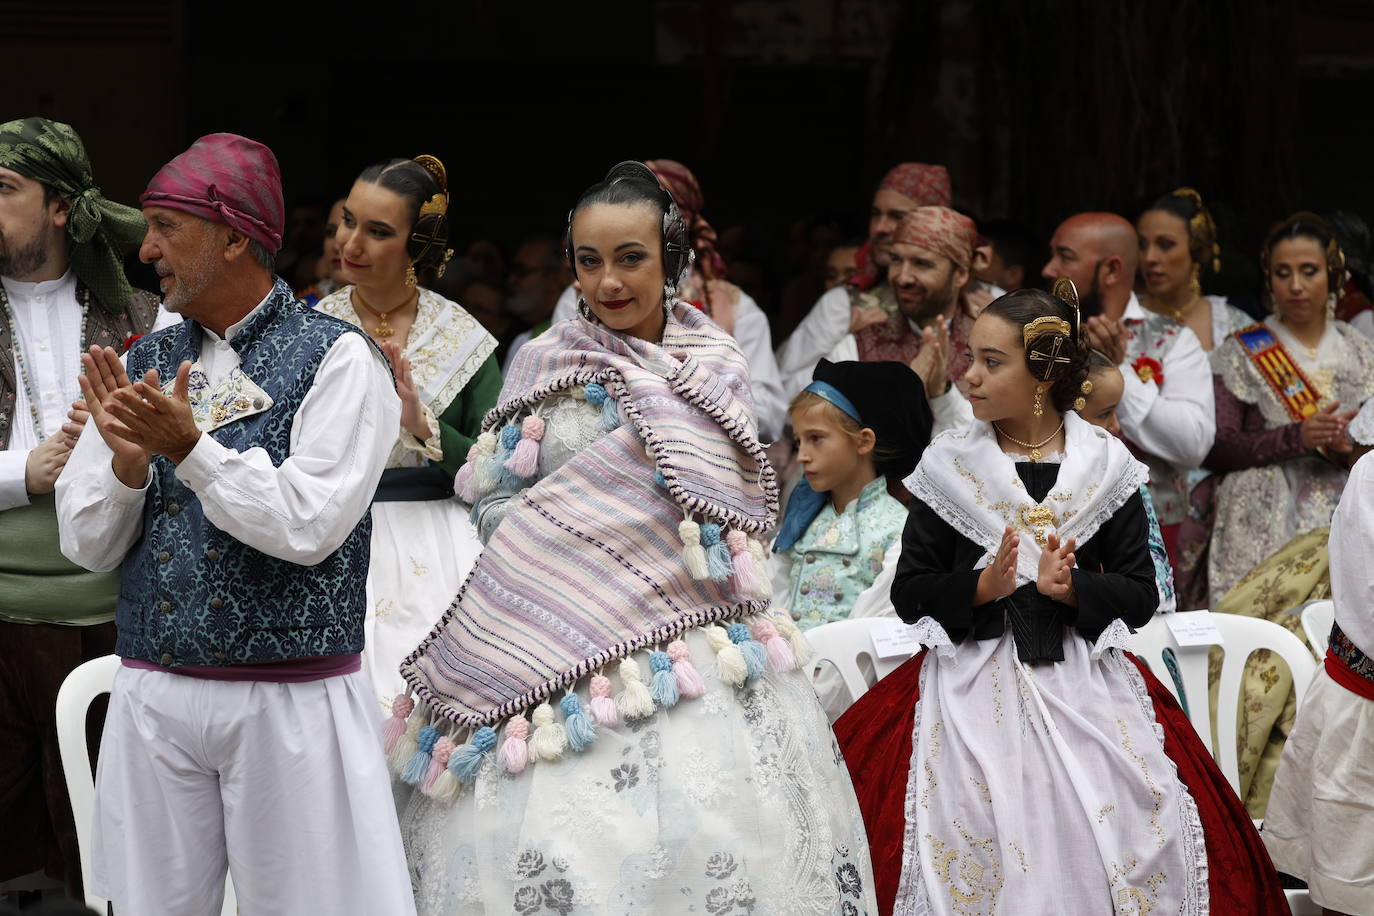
x: 1059, y: 358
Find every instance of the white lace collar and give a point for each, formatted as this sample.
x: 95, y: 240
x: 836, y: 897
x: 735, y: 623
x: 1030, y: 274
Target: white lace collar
x: 966, y: 478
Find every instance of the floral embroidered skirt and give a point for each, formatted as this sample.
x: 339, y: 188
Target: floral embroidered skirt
x: 735, y: 803
x: 989, y: 786
x: 421, y: 553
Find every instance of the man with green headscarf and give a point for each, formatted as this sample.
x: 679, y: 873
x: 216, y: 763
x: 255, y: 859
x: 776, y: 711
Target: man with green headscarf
x: 62, y: 289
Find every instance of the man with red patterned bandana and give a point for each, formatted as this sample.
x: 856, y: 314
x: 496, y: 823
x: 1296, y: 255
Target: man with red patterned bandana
x: 867, y: 298
x: 929, y: 258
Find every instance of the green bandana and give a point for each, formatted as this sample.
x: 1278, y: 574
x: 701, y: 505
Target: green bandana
x: 51, y: 152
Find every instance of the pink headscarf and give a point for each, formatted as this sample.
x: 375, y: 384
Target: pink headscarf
x: 927, y: 185
x: 941, y: 230
x: 227, y: 179
x: 679, y: 181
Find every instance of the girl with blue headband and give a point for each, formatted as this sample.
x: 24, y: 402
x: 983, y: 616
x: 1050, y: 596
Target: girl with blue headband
x: 860, y: 428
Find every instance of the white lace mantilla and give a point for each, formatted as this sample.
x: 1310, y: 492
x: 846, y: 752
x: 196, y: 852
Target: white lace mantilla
x: 1096, y: 478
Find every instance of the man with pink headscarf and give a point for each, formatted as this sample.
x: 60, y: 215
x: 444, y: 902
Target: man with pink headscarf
x: 867, y: 298
x: 929, y: 258
x: 230, y: 470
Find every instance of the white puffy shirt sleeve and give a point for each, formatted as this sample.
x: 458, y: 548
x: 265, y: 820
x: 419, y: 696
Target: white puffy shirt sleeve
x: 755, y: 338
x: 823, y: 328
x: 1175, y: 421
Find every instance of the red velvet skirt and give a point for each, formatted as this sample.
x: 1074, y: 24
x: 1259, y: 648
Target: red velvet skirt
x: 875, y: 736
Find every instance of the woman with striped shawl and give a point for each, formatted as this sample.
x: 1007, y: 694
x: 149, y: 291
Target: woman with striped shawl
x: 609, y: 718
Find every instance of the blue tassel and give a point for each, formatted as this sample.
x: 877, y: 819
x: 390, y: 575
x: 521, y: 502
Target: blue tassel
x: 717, y: 553
x: 595, y: 393
x: 465, y: 761
x: 418, y: 764
x: 664, y: 686
x: 505, y: 477
x: 610, y: 414
x: 755, y: 655
x: 581, y: 730
x: 660, y: 480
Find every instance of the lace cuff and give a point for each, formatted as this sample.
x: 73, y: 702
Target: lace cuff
x: 929, y: 633
x: 431, y: 447
x: 1116, y: 636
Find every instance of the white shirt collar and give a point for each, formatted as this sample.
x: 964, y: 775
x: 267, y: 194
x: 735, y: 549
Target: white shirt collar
x: 1134, y: 310
x: 64, y: 285
x: 234, y: 328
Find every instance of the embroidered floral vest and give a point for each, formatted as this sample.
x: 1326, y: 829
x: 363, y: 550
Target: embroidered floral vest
x: 193, y: 595
x: 840, y: 556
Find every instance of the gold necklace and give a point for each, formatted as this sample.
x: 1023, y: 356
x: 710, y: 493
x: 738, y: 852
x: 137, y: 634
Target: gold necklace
x: 1034, y: 447
x: 382, y: 329
x: 1179, y: 314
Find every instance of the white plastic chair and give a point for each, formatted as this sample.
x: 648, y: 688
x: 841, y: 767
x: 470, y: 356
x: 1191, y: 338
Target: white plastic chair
x: 1149, y: 643
x: 78, y: 691
x: 843, y: 644
x: 1317, y: 619
x: 1241, y: 636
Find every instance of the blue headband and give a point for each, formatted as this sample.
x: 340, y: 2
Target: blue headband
x: 836, y: 397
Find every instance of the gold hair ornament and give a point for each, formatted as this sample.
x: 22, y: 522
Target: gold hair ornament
x: 437, y: 205
x: 1201, y: 225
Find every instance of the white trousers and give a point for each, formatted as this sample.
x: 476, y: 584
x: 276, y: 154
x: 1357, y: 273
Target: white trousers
x: 284, y: 784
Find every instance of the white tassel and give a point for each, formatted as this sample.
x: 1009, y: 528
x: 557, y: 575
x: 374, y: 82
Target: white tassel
x: 635, y: 701
x: 549, y: 740
x: 801, y: 647
x: 730, y: 666
x: 763, y: 588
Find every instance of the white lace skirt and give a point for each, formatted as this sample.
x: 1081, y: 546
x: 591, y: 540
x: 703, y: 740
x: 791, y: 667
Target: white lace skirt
x: 735, y: 803
x: 1044, y: 789
x: 421, y: 553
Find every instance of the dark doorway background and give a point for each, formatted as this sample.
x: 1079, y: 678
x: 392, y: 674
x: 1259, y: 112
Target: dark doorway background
x: 786, y: 111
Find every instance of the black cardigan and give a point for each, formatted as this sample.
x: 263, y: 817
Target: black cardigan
x: 1114, y: 576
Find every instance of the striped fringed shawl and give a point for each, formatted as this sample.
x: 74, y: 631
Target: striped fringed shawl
x: 587, y: 566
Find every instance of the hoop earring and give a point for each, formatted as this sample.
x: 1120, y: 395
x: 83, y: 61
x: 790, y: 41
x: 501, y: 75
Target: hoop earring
x: 1039, y: 410
x: 411, y: 279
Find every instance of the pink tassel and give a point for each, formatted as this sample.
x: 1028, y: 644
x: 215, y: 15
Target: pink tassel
x: 746, y: 574
x: 689, y: 682
x: 780, y: 655
x: 462, y: 481
x: 515, y: 753
x: 524, y: 462
x: 395, y: 727
x: 602, y: 707
x: 438, y: 762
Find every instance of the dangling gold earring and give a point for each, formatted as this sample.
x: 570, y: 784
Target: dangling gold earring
x: 1039, y: 410
x: 411, y: 279
x: 1197, y: 285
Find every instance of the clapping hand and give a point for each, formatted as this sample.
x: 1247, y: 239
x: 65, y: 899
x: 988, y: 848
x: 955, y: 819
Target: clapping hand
x: 998, y: 578
x: 1055, y: 578
x: 932, y: 362
x: 1107, y: 336
x: 412, y: 416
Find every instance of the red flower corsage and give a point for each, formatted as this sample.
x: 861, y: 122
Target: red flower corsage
x: 1148, y: 369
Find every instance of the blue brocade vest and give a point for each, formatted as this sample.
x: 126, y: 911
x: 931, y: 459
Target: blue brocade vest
x: 193, y: 595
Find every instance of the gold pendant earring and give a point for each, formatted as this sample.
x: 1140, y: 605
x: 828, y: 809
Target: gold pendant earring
x: 411, y: 279
x: 1197, y: 284
x: 1039, y: 407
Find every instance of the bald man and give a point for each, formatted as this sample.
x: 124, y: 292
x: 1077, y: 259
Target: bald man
x: 1167, y: 410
